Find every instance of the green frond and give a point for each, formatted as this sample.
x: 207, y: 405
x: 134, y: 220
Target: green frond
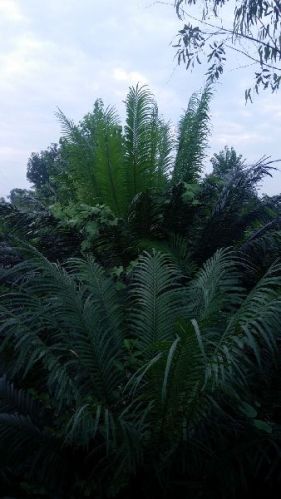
x: 69, y: 129
x: 261, y: 310
x: 176, y: 248
x: 147, y: 142
x: 179, y: 249
x: 82, y: 318
x: 140, y: 116
x: 186, y: 380
x: 17, y: 400
x: 156, y: 300
x: 162, y: 144
x: 109, y: 162
x: 254, y: 325
x: 232, y: 204
x: 103, y: 294
x: 173, y: 383
x: 192, y: 138
x: 216, y: 287
x: 94, y: 151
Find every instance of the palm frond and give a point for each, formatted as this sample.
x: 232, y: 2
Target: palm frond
x: 139, y: 107
x: 233, y: 206
x: 69, y: 129
x: 180, y: 250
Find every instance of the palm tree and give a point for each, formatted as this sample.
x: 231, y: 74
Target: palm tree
x: 149, y: 384
x: 229, y: 204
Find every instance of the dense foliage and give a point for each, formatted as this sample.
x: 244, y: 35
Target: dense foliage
x: 139, y: 317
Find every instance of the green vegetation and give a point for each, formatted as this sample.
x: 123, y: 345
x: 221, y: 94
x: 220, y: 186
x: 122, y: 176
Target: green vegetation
x: 139, y: 317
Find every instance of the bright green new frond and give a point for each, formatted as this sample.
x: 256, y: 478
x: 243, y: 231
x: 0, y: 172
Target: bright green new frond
x: 147, y: 142
x: 164, y: 157
x: 192, y: 138
x: 109, y: 164
x: 94, y: 152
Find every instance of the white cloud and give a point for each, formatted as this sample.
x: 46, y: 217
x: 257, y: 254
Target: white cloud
x: 131, y: 77
x: 23, y: 60
x: 10, y: 11
x: 237, y: 136
x: 7, y: 152
x: 274, y: 108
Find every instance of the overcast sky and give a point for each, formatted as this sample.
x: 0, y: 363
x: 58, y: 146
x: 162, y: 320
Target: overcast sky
x: 67, y: 53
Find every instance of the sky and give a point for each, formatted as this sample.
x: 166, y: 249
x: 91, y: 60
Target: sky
x: 68, y: 53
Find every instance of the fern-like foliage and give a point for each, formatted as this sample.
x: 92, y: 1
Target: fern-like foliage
x: 110, y: 167
x: 94, y: 150
x: 139, y: 133
x: 156, y: 300
x: 147, y: 377
x: 192, y: 138
x: 148, y: 142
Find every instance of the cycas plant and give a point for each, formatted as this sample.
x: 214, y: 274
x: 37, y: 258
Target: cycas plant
x: 110, y: 165
x: 94, y: 154
x: 138, y: 383
x: 149, y: 182
x: 141, y: 189
x: 129, y: 171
